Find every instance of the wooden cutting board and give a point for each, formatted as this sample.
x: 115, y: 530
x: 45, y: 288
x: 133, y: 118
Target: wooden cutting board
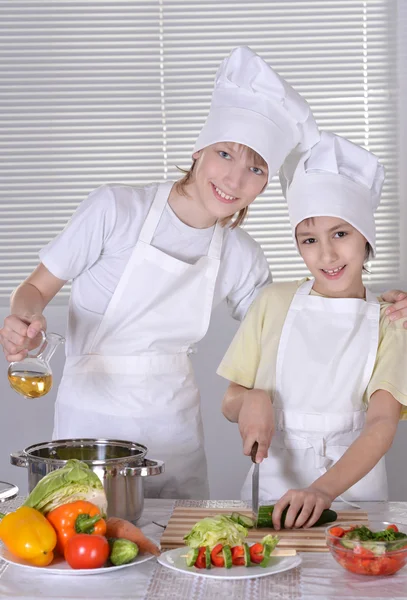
x: 303, y: 540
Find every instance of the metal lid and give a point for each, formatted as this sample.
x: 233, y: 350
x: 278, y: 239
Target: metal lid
x: 7, y: 491
x: 95, y: 452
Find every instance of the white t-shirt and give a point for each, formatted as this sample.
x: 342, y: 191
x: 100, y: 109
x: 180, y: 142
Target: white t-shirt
x: 97, y: 242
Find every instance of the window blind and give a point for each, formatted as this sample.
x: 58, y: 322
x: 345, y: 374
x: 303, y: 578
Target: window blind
x: 101, y: 91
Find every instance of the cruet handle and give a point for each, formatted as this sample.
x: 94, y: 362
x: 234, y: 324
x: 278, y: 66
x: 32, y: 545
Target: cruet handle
x: 42, y: 346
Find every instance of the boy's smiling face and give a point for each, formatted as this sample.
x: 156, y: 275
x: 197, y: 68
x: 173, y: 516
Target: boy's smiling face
x: 227, y: 178
x: 335, y: 253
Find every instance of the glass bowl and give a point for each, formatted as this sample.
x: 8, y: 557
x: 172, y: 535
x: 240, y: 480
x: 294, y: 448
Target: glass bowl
x: 368, y: 557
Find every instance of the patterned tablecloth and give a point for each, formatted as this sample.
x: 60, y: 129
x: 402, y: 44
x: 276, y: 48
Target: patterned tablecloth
x: 318, y: 578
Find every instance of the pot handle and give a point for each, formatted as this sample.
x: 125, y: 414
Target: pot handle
x: 149, y: 467
x: 19, y: 459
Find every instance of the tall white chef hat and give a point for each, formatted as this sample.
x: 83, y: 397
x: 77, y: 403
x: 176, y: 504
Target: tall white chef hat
x: 336, y: 178
x: 254, y: 106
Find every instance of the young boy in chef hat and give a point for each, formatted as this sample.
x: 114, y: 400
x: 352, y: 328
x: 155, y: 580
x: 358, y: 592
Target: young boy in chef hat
x: 149, y: 264
x: 317, y: 368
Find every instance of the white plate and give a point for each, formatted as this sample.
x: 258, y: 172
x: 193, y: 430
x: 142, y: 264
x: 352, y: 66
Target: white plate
x: 61, y: 567
x: 175, y: 559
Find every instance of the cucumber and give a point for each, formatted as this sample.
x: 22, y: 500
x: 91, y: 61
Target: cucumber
x: 247, y: 561
x: 227, y: 556
x: 208, y: 562
x: 247, y: 522
x: 347, y: 543
x: 192, y: 556
x: 266, y: 512
x: 267, y: 550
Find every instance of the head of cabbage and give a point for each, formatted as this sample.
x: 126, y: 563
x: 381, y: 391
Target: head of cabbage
x: 74, y: 481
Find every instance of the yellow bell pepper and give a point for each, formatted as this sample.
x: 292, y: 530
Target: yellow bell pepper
x: 27, y: 534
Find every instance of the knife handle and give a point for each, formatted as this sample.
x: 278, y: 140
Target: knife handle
x: 254, y: 451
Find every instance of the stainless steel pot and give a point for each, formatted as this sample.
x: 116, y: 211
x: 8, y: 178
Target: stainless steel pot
x: 120, y: 465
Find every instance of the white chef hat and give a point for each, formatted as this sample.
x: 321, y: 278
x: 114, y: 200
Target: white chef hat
x: 254, y: 106
x: 336, y: 178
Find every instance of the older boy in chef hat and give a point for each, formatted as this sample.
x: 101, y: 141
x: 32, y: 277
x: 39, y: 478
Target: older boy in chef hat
x: 148, y: 265
x: 317, y: 368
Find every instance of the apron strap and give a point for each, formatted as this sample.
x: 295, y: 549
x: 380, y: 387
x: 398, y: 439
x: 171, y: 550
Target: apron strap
x: 155, y: 212
x: 215, y: 247
x: 306, y: 287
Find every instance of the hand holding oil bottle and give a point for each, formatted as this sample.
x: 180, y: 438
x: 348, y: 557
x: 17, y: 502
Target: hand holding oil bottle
x: 30, y: 374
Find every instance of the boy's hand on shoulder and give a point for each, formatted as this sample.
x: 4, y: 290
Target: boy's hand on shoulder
x: 305, y: 507
x: 398, y: 310
x: 256, y: 422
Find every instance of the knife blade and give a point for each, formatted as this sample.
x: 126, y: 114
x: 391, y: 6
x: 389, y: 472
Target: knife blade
x: 255, y: 483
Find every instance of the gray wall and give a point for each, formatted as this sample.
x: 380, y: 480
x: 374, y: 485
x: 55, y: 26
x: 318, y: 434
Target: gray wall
x: 25, y: 422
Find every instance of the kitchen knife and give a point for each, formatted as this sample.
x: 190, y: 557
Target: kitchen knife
x: 255, y: 483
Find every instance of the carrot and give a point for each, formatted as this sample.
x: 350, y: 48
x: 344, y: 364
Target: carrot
x: 120, y: 528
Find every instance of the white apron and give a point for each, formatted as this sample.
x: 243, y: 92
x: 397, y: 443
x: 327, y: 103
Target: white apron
x: 325, y: 360
x: 136, y: 381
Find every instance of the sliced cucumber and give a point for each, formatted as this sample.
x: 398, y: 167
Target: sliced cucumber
x: 346, y: 543
x: 208, y: 562
x: 192, y: 556
x: 244, y: 520
x: 264, y: 518
x: 227, y: 555
x: 267, y: 550
x: 247, y: 561
x: 235, y: 517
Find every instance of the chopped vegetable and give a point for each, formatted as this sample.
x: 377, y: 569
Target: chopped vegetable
x: 27, y: 534
x: 237, y: 556
x: 243, y: 520
x: 122, y: 551
x: 73, y: 518
x: 246, y: 550
x: 192, y: 556
x: 211, y: 531
x: 120, y: 528
x: 74, y: 481
x: 201, y: 560
x: 84, y: 551
x: 208, y: 557
x: 227, y: 555
x: 366, y: 552
x: 217, y: 558
x: 268, y: 549
x: 256, y: 553
x: 265, y: 515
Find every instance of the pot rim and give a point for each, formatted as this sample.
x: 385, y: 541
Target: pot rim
x: 121, y: 461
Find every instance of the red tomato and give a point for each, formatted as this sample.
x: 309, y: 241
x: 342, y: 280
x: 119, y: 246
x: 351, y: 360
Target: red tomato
x: 337, y: 531
x: 256, y: 553
x: 85, y: 551
x: 200, y: 562
x: 237, y: 556
x: 362, y: 552
x: 394, y: 527
x: 217, y: 556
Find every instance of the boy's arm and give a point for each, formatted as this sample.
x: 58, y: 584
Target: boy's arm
x: 360, y: 458
x: 28, y: 301
x: 252, y: 409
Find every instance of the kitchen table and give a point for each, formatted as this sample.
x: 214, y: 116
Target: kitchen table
x: 319, y: 577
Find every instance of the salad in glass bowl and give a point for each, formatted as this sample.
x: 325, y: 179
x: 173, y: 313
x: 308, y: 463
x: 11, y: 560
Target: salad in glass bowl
x: 380, y: 549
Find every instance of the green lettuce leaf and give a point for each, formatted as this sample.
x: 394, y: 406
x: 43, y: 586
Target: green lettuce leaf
x: 74, y: 481
x: 215, y: 530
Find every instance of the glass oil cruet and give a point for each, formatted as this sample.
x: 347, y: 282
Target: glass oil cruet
x: 32, y: 376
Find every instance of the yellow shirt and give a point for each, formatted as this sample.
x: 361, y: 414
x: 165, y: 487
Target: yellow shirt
x: 251, y: 358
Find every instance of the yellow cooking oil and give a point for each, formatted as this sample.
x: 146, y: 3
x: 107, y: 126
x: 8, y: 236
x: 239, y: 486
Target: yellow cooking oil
x: 30, y: 384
